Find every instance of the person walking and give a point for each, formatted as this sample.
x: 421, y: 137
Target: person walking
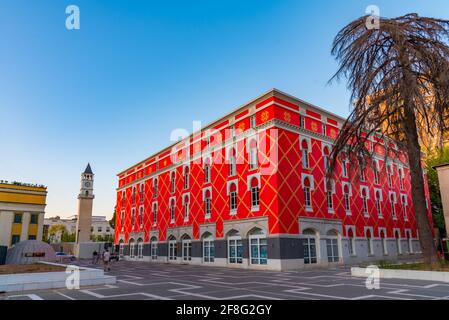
x: 95, y: 257
x: 106, y: 258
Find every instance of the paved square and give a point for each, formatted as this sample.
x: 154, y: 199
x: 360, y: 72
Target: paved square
x: 142, y: 280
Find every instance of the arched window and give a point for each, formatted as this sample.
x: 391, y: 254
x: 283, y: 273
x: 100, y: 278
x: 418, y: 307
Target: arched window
x: 332, y: 246
x: 172, y: 208
x: 153, y: 244
x: 122, y: 219
x: 140, y: 248
x: 330, y: 195
x: 258, y: 246
x: 132, y: 248
x: 307, y: 195
x: 123, y: 199
x: 376, y: 172
x: 208, y: 248
x: 326, y: 157
x: 133, y: 196
x: 207, y: 169
x: 397, y: 235
x: 186, y: 177
x: 142, y: 193
x: 255, y: 199
x: 369, y: 240
x: 141, y: 212
x: 351, y: 238
x: 401, y: 178
x: 253, y: 157
x: 154, y: 209
x: 309, y: 246
x: 346, y: 195
x: 305, y: 154
x: 133, y: 217
x: 207, y: 204
x: 344, y: 166
x: 235, y: 247
x: 393, y: 206
x: 186, y: 207
x: 172, y: 248
x: 173, y: 182
x: 233, y: 198
x: 186, y: 248
x: 390, y: 175
x: 378, y: 206
x: 408, y: 234
x: 155, y: 188
x: 365, y: 201
x: 384, y: 242
x: 232, y: 162
x: 404, y: 207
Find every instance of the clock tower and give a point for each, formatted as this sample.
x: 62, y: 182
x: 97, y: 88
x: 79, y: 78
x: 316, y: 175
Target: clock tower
x: 85, y: 203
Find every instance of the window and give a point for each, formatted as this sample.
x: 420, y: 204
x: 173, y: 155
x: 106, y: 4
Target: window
x: 153, y: 248
x: 369, y: 240
x: 305, y: 153
x: 235, y: 248
x: 344, y: 168
x: 362, y: 172
x: 252, y: 120
x: 122, y: 218
x: 17, y: 218
x: 14, y: 239
x: 123, y: 198
x: 142, y: 193
x: 133, y: 196
x: 389, y: 176
x: 232, y: 162
x: 255, y: 199
x: 186, y: 207
x: 141, y: 216
x: 208, y: 249
x: 326, y: 158
x: 323, y: 128
x: 307, y: 196
x: 121, y: 249
x: 186, y: 249
x: 173, y: 182
x: 253, y: 156
x: 186, y: 177
x: 99, y: 229
x: 393, y: 207
x: 154, y: 209
x: 330, y: 201
x: 378, y: 207
x: 258, y: 247
x: 309, y: 247
x: 404, y: 207
x: 172, y: 207
x: 108, y: 229
x: 351, y: 244
x: 376, y: 172
x: 155, y: 189
x: 34, y: 219
x: 172, y: 249
x: 31, y: 237
x: 233, y: 198
x: 133, y: 216
x: 384, y: 243
x: 398, y: 242
x: 401, y: 178
x: 132, y: 248
x: 207, y: 171
x: 332, y: 250
x: 140, y: 249
x: 207, y: 204
x: 346, y: 195
x: 364, y: 194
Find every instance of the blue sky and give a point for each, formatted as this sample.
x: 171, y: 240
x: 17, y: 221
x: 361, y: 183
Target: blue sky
x: 111, y: 92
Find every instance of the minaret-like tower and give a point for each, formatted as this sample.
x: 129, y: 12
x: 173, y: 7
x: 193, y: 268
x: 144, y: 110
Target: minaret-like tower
x: 85, y: 203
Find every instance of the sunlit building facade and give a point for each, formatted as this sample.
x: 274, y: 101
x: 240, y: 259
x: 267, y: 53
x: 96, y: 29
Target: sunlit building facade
x: 249, y: 190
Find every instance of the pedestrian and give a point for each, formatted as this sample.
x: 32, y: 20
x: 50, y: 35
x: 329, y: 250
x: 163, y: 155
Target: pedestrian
x: 106, y: 258
x: 95, y: 257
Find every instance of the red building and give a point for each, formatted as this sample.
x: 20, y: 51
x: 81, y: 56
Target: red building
x: 249, y: 190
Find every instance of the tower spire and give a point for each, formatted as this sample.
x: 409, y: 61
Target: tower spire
x: 88, y: 169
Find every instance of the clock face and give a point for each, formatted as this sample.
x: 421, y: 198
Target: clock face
x: 87, y: 184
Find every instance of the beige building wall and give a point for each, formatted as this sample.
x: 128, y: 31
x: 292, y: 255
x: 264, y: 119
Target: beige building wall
x: 443, y: 178
x: 6, y: 218
x: 84, y: 222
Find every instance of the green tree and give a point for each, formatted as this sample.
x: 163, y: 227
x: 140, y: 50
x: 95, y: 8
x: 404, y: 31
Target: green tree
x: 56, y: 232
x: 398, y: 72
x: 112, y: 221
x: 436, y: 158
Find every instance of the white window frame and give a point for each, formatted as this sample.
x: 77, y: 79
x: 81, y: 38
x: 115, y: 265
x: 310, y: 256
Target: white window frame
x: 230, y: 194
x: 186, y: 206
x: 208, y: 244
x: 233, y: 242
x: 207, y: 202
x: 257, y: 238
x: 172, y: 250
x: 186, y: 246
x: 154, y: 209
x: 172, y: 209
x: 141, y: 215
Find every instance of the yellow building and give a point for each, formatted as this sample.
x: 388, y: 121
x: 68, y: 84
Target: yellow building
x: 22, y: 210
